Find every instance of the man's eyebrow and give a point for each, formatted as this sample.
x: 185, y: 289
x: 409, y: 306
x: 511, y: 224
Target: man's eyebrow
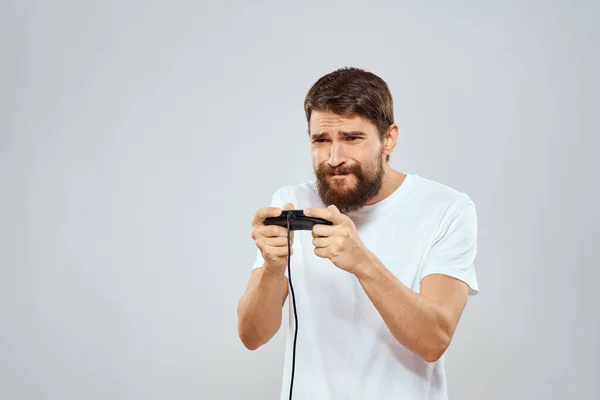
x: 353, y: 133
x: 318, y: 136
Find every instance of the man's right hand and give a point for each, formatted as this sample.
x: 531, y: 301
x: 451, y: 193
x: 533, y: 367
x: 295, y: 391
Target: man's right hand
x: 272, y: 239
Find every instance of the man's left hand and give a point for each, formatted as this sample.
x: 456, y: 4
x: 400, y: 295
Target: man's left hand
x: 339, y: 242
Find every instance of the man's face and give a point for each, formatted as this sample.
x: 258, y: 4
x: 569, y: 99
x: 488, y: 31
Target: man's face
x: 348, y: 159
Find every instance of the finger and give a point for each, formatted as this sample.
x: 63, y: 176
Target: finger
x: 324, y: 230
x: 265, y: 244
x: 274, y: 252
x: 321, y: 252
x: 265, y: 212
x: 330, y: 213
x: 321, y: 242
x: 276, y: 241
x: 271, y: 231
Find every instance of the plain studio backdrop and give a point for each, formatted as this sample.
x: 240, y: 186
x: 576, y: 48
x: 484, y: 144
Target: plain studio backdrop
x: 137, y: 140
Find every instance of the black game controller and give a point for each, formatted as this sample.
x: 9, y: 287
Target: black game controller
x: 298, y: 221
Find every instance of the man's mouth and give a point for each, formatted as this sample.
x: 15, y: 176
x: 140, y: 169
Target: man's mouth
x: 340, y: 173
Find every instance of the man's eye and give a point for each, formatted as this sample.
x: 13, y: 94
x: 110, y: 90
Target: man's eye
x: 351, y: 138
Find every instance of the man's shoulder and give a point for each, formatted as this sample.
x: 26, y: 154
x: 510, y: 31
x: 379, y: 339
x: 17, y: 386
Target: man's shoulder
x: 300, y: 187
x: 302, y: 194
x: 433, y: 192
x: 304, y: 187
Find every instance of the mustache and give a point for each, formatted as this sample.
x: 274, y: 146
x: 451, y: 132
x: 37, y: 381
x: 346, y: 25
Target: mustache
x: 327, y: 170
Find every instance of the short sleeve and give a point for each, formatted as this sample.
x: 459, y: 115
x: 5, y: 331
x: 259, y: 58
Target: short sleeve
x: 455, y: 246
x: 276, y: 201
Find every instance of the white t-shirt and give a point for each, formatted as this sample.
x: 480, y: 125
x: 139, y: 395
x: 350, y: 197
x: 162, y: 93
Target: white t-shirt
x: 344, y: 350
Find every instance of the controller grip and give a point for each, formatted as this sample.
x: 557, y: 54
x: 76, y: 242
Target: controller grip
x: 297, y: 220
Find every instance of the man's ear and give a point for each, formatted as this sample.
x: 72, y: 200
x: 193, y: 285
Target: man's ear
x: 390, y: 139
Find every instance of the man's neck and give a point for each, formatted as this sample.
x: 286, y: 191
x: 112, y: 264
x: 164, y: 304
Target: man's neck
x: 392, y: 180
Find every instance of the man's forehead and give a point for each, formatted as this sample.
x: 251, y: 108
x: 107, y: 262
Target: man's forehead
x: 321, y: 122
x: 326, y: 117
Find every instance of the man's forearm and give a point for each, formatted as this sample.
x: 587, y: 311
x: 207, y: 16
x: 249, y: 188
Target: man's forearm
x: 415, y: 322
x: 259, y: 310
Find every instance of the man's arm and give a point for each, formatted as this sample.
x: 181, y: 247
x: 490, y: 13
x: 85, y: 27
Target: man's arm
x: 259, y: 309
x: 424, y: 323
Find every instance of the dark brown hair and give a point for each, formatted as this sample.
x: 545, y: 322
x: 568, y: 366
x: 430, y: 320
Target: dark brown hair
x: 350, y: 92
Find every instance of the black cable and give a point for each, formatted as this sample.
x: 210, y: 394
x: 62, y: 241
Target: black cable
x: 294, y: 303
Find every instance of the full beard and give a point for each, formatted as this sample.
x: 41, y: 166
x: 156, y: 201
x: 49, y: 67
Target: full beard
x: 347, y: 199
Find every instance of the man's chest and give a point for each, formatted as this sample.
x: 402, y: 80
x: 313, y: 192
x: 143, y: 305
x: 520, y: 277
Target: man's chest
x: 326, y: 287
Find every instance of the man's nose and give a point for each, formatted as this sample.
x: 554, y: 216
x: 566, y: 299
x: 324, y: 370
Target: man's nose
x: 336, y: 155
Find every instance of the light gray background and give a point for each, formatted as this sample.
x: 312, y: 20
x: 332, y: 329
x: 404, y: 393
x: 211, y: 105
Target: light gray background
x: 137, y: 139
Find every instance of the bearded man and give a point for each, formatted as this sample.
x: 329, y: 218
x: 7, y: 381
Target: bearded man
x: 377, y: 295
